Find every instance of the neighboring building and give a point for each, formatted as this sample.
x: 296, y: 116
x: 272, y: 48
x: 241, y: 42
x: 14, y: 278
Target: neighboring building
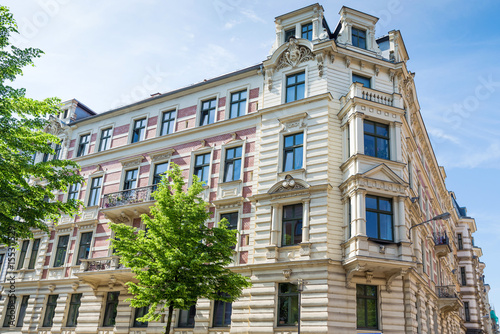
x: 318, y: 156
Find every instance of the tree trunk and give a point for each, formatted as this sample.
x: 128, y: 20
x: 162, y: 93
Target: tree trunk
x: 169, y: 321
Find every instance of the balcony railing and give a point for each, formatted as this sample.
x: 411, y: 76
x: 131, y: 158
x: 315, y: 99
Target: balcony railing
x: 441, y: 238
x: 446, y: 291
x: 358, y: 90
x: 100, y: 264
x: 127, y: 197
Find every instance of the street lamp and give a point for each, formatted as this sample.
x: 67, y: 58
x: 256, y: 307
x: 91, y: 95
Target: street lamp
x: 300, y: 288
x: 445, y: 215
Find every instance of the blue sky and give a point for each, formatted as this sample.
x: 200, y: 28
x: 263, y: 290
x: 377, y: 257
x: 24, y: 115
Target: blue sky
x: 111, y: 53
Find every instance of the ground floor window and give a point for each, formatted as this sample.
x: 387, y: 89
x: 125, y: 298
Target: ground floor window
x: 366, y: 306
x: 288, y: 304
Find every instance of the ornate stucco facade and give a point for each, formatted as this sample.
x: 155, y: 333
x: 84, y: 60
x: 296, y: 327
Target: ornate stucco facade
x: 321, y: 157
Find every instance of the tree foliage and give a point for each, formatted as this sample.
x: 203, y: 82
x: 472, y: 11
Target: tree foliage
x: 179, y: 259
x: 27, y: 190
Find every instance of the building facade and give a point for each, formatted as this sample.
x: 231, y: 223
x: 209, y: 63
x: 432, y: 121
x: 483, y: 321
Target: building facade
x: 320, y: 159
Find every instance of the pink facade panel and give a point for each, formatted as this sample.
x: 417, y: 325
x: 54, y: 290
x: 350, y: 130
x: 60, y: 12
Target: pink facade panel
x: 184, y: 112
x: 254, y: 93
x: 153, y: 121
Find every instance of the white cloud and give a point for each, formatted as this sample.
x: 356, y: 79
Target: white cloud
x: 442, y: 136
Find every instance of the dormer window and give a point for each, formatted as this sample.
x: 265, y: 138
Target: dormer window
x: 289, y: 33
x: 359, y: 38
x: 307, y: 31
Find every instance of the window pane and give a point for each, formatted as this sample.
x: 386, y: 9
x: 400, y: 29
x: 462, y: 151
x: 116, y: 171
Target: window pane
x: 369, y: 127
x: 298, y: 158
x: 369, y: 145
x: 299, y: 138
x: 22, y: 311
x: 301, y: 77
x: 382, y: 130
x: 385, y: 204
x: 290, y: 94
x: 385, y: 227
x: 289, y: 141
x: 288, y: 164
x: 382, y: 148
x: 371, y: 224
x: 361, y: 315
x: 237, y: 170
x: 371, y: 202
x: 371, y: 310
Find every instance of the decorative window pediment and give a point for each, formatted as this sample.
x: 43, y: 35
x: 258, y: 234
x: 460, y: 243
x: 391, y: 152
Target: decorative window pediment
x: 383, y: 173
x: 131, y: 162
x: 380, y: 178
x: 294, y: 55
x: 288, y: 184
x: 162, y: 155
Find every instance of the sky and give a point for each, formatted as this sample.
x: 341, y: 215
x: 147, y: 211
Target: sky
x: 111, y: 53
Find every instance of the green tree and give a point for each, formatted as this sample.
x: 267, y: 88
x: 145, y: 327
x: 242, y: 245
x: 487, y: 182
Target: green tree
x: 27, y: 190
x: 179, y: 259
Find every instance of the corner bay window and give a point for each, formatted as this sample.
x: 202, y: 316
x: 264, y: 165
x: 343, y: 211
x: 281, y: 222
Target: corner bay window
x: 139, y: 130
x: 295, y: 86
x: 379, y: 218
x: 293, y: 152
x: 292, y: 225
x: 202, y: 166
x: 186, y: 317
x: 232, y: 164
x: 366, y: 306
x: 359, y: 38
x: 110, y: 309
x: 238, y: 104
x: 376, y: 138
x: 50, y: 311
x: 208, y: 112
x: 288, y: 304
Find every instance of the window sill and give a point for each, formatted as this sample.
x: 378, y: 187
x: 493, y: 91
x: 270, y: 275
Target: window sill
x: 230, y: 182
x: 382, y: 241
x: 295, y: 246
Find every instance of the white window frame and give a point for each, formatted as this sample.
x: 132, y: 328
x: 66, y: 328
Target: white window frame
x: 99, y: 135
x: 77, y: 144
x: 54, y: 252
x: 228, y: 100
x: 239, y: 209
x: 89, y: 185
x: 222, y: 162
x: 200, y: 151
x: 77, y: 244
x: 301, y: 68
x: 199, y: 108
x: 131, y: 128
x: 159, y: 123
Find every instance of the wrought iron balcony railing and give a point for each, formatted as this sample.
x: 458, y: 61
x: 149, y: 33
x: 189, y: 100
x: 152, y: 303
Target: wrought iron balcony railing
x: 448, y: 291
x: 441, y: 238
x: 127, y: 197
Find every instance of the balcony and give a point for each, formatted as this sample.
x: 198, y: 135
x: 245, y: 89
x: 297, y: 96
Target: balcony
x: 123, y: 206
x: 103, y: 271
x: 448, y: 299
x: 442, y: 244
x: 357, y: 90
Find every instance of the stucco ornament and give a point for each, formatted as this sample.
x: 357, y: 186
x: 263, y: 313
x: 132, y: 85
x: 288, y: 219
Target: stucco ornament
x: 294, y: 55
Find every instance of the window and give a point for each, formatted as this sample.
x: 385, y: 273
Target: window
x: 105, y: 141
x: 73, y: 191
x: 460, y: 241
x: 359, y: 38
x: 34, y: 253
x: 232, y: 164
x: 22, y: 311
x: 83, y: 145
x: 74, y: 307
x: 366, y: 306
x: 467, y: 311
x: 160, y: 169
x: 139, y: 130
x: 289, y: 33
x: 222, y: 313
x: 62, y: 245
x: 130, y: 181
x: 10, y: 313
x: 293, y: 152
x: 45, y: 157
x: 202, y: 166
x: 363, y: 80
x: 57, y: 152
x: 22, y: 256
x: 288, y: 304
x: 463, y: 275
x: 207, y: 112
x: 167, y: 122
x: 379, y: 218
x: 295, y: 86
x: 110, y: 310
x: 232, y: 219
x: 376, y: 139
x: 307, y: 31
x: 238, y: 104
x: 95, y: 191
x: 292, y: 225
x: 140, y: 312
x: 186, y: 317
x: 50, y: 311
x: 84, y: 249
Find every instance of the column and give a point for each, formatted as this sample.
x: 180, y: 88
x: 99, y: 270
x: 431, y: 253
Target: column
x: 360, y: 220
x: 315, y: 24
x: 89, y: 317
x: 305, y: 220
x: 274, y: 225
x: 396, y: 145
x: 357, y: 136
x: 402, y: 220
